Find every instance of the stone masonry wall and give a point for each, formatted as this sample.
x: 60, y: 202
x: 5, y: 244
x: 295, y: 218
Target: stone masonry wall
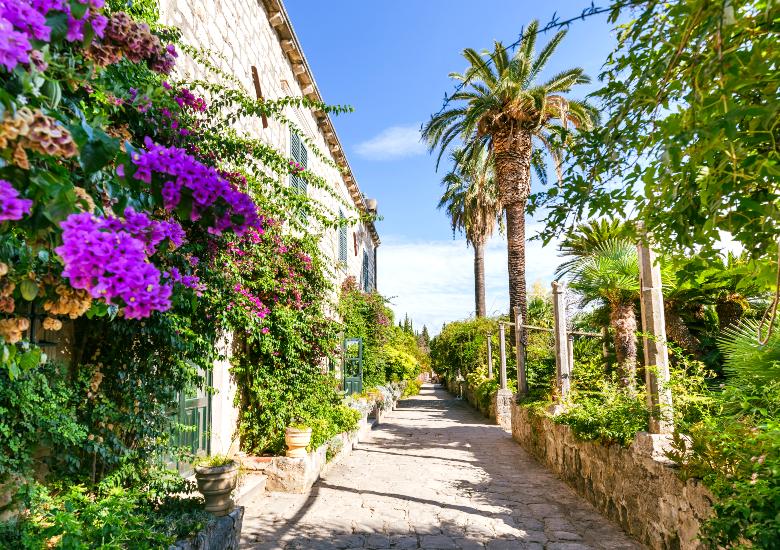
x: 636, y: 486
x: 236, y: 35
x: 239, y: 35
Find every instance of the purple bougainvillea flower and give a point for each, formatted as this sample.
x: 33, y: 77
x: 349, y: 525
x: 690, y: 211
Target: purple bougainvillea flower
x: 203, y: 184
x: 109, y: 257
x: 11, y: 206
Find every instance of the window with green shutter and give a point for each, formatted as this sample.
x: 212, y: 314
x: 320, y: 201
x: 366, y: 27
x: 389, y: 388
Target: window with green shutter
x: 300, y: 155
x: 365, y: 274
x: 343, y: 239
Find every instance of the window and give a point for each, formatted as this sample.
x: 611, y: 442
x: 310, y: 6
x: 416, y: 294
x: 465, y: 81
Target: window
x: 299, y: 154
x: 342, y: 238
x: 367, y: 272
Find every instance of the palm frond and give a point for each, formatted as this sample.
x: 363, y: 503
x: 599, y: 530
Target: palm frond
x: 746, y: 359
x: 544, y: 56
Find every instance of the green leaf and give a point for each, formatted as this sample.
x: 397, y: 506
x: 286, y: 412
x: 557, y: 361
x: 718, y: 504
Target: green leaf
x: 77, y: 9
x: 98, y: 152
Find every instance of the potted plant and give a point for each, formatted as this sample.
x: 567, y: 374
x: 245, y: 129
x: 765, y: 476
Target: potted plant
x: 217, y: 477
x: 297, y: 437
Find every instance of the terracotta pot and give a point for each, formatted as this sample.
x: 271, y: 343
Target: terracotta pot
x: 216, y: 483
x: 297, y: 441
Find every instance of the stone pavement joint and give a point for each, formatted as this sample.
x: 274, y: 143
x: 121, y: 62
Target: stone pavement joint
x: 433, y: 475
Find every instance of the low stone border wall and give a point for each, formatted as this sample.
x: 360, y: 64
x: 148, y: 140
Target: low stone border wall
x: 224, y: 533
x: 637, y: 486
x: 499, y: 408
x: 297, y: 475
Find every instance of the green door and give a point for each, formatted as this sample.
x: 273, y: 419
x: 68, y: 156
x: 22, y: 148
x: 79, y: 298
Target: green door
x: 353, y: 365
x: 193, y: 423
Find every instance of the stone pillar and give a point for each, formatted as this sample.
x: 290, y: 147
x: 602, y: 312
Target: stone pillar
x: 490, y: 355
x: 570, y: 350
x: 502, y: 352
x: 522, y: 381
x: 659, y: 395
x: 563, y: 369
x: 502, y: 405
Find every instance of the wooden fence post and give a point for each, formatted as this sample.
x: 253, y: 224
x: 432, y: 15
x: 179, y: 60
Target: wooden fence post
x: 490, y: 355
x: 502, y: 352
x: 659, y: 395
x: 563, y: 369
x: 570, y: 350
x: 522, y: 382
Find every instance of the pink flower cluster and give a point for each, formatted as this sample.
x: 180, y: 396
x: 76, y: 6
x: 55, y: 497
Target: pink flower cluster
x: 109, y: 258
x: 190, y: 281
x: 182, y: 174
x: 256, y: 305
x: 151, y: 232
x: 186, y: 98
x: 295, y: 167
x: 24, y: 21
x: 11, y: 206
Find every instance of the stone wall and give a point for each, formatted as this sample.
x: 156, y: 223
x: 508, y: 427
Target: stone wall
x: 498, y: 409
x: 236, y: 35
x: 637, y: 486
x: 224, y: 533
x: 239, y: 35
x: 297, y: 475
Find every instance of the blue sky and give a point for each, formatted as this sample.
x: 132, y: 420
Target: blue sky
x: 390, y: 60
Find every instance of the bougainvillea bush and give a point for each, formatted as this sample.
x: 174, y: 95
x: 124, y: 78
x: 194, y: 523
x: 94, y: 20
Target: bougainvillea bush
x: 136, y: 227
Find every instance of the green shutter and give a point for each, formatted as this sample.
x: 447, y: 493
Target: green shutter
x: 299, y: 155
x: 303, y: 160
x: 342, y: 238
x: 364, y: 274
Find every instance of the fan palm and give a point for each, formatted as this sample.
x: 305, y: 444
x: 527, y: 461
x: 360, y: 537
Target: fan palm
x: 471, y: 201
x: 610, y: 275
x: 500, y: 107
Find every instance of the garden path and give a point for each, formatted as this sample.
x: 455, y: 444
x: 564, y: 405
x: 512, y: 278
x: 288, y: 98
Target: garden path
x: 434, y: 475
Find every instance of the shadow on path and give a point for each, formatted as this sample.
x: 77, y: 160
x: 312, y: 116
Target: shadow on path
x: 434, y: 475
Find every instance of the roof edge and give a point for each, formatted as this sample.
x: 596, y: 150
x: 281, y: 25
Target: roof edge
x: 280, y: 21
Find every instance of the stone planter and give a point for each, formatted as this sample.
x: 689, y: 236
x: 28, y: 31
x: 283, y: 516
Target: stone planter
x: 297, y: 441
x: 216, y: 483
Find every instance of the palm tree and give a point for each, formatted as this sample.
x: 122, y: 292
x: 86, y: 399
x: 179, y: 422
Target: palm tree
x: 500, y: 107
x: 609, y: 274
x: 471, y: 201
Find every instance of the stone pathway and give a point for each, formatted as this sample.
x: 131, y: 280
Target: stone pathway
x: 434, y: 475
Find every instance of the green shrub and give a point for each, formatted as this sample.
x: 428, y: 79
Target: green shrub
x: 412, y: 387
x: 613, y: 415
x: 74, y: 518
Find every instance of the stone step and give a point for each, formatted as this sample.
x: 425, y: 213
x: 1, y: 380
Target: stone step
x: 252, y: 484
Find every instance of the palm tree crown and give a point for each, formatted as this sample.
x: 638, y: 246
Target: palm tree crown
x: 501, y: 108
x: 470, y: 197
x: 499, y: 94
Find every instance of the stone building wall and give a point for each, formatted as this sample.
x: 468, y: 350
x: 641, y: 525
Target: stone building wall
x: 235, y: 36
x: 636, y: 486
x: 238, y: 34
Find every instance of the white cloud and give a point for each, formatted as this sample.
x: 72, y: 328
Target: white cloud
x: 393, y: 143
x: 433, y: 281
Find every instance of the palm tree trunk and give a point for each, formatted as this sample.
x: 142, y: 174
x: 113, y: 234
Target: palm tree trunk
x: 479, y: 278
x: 512, y: 153
x: 623, y: 319
x: 678, y: 332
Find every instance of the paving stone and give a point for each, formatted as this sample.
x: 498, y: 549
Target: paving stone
x: 469, y: 544
x: 377, y: 541
x: 433, y: 475
x: 438, y: 542
x: 403, y: 542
